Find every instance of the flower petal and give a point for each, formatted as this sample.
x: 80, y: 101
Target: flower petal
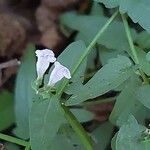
x: 58, y: 73
x: 45, y: 57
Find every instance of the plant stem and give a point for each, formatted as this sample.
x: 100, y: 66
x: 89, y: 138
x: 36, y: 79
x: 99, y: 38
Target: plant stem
x: 85, y: 138
x: 13, y: 140
x: 132, y: 47
x: 88, y: 49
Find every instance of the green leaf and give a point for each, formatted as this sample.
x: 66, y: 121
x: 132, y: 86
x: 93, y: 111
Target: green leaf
x: 143, y: 40
x: 70, y: 141
x: 107, y: 78
x: 106, y: 54
x: 136, y: 9
x: 46, y: 118
x: 144, y: 63
x: 129, y: 136
x: 88, y: 26
x: 82, y: 115
x: 143, y: 95
x: 102, y: 136
x: 24, y: 93
x: 6, y: 110
x: 127, y: 104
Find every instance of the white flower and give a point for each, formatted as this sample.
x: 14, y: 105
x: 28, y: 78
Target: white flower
x: 45, y: 57
x: 58, y: 73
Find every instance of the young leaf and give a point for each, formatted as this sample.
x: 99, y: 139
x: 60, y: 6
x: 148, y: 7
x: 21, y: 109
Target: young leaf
x: 129, y: 136
x: 6, y: 110
x: 107, y: 78
x: 24, y: 93
x: 127, y: 104
x: 136, y: 9
x: 45, y: 119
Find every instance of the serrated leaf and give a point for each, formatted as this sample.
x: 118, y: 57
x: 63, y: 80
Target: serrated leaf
x: 143, y: 95
x: 88, y: 26
x: 6, y: 110
x: 136, y: 9
x: 127, y: 104
x: 107, y: 78
x: 46, y: 118
x: 24, y: 93
x: 129, y: 136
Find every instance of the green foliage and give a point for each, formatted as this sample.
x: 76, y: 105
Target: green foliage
x: 127, y: 103
x: 84, y: 24
x: 107, y: 78
x: 23, y: 92
x: 45, y: 120
x: 102, y: 135
x: 144, y: 63
x: 136, y: 9
x: 6, y: 110
x: 82, y: 115
x: 109, y: 62
x: 10, y: 146
x: 143, y: 94
x: 129, y: 136
x: 71, y: 55
x: 143, y: 39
